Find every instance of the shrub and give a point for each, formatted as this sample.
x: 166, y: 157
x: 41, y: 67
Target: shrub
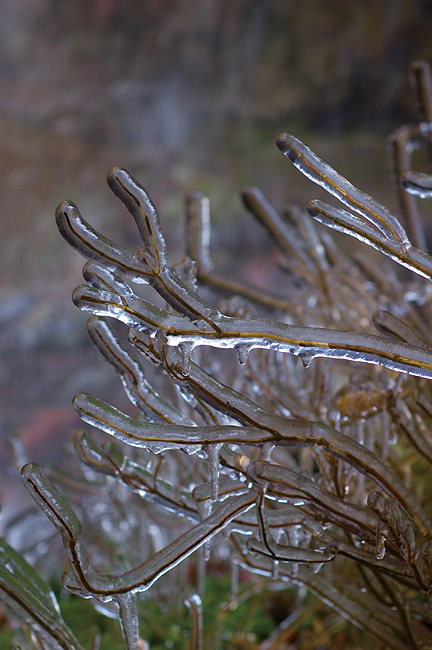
x: 293, y: 466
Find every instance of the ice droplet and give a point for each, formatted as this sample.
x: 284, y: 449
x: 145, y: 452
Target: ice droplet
x: 306, y: 357
x: 242, y: 352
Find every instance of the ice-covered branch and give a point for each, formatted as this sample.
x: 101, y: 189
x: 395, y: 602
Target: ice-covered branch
x: 86, y: 579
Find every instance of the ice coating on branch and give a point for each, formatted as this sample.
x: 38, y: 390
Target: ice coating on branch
x: 319, y: 172
x: 87, y: 241
x: 142, y: 209
x: 31, y: 600
x: 50, y: 501
x: 85, y: 581
x: 194, y: 604
x: 198, y: 229
x: 418, y: 184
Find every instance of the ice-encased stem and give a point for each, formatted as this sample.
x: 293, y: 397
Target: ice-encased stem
x: 87, y: 580
x: 291, y: 433
x: 202, y: 324
x: 321, y: 173
x: 24, y: 593
x: 194, y: 604
x: 225, y: 332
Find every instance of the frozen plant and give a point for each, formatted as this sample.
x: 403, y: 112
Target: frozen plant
x: 313, y: 470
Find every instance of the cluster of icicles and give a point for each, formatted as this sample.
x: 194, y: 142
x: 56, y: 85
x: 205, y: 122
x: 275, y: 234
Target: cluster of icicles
x: 296, y: 463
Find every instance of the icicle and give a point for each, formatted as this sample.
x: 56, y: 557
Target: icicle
x: 203, y: 557
x: 213, y: 462
x: 234, y: 575
x: 204, y: 509
x: 128, y: 615
x: 266, y: 451
x: 293, y: 535
x: 186, y: 348
x: 277, y: 535
x: 243, y: 350
x: 315, y: 566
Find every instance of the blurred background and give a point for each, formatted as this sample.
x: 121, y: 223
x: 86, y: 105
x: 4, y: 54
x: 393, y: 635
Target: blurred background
x: 186, y: 94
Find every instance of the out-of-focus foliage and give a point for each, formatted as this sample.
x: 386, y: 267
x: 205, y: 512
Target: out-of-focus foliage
x: 251, y: 58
